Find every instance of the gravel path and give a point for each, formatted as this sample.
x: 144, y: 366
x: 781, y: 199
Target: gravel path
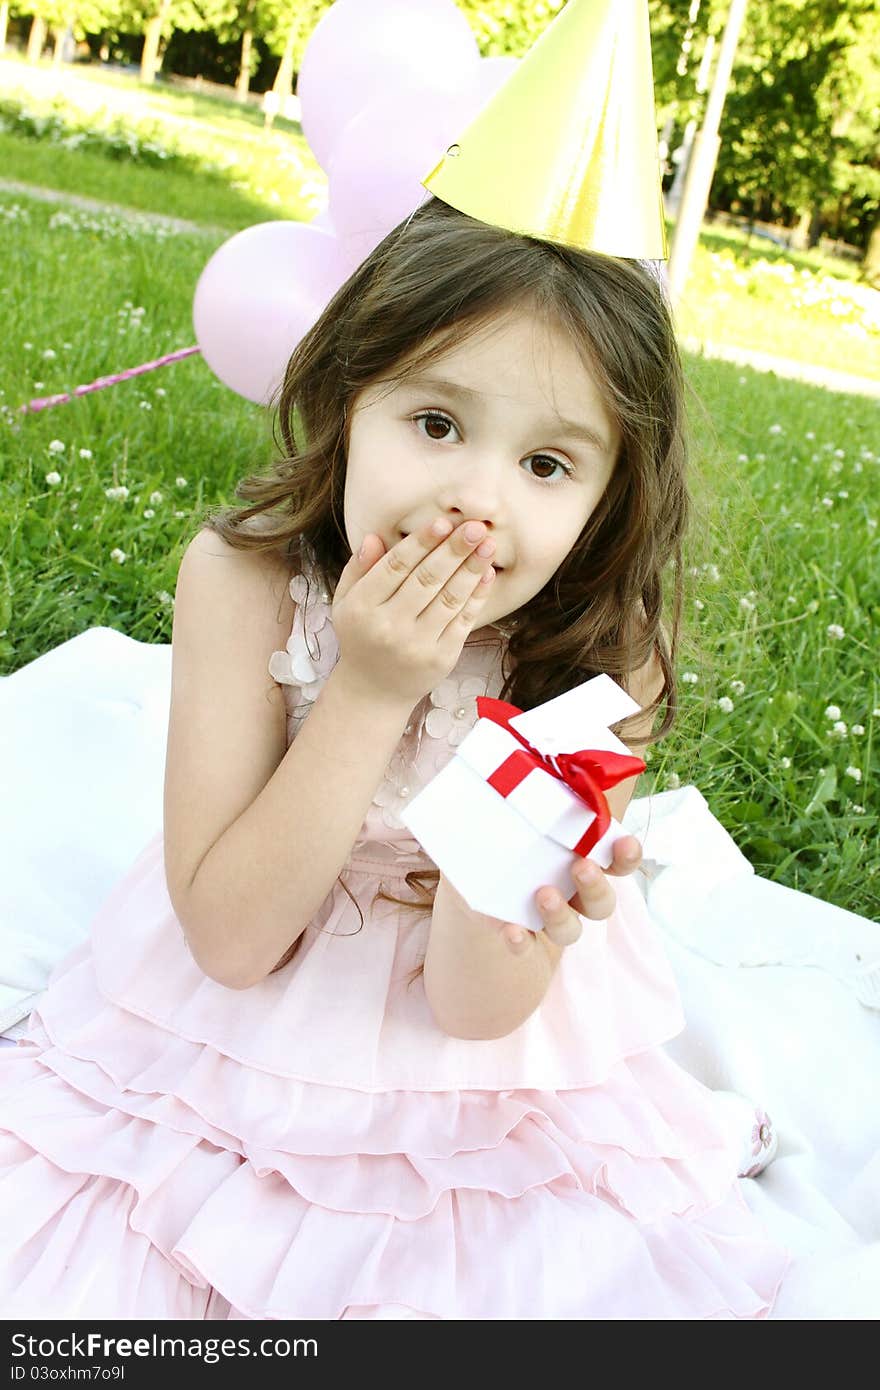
x: 75, y: 200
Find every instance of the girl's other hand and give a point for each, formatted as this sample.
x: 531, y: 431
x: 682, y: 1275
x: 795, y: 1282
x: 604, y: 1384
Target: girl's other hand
x: 594, y: 897
x: 402, y: 616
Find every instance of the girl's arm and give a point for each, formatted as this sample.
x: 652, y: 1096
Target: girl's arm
x: 478, y: 987
x: 255, y: 835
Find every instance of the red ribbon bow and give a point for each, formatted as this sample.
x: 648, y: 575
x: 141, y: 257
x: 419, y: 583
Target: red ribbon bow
x: 589, y: 773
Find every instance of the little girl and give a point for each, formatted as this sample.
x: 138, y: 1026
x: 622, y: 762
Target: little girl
x: 293, y: 1074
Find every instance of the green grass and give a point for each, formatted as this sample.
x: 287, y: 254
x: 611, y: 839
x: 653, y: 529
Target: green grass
x: 172, y: 192
x: 800, y: 306
x: 232, y: 172
x: 772, y: 768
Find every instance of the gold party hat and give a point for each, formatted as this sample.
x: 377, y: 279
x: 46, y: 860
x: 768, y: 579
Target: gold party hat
x: 566, y: 150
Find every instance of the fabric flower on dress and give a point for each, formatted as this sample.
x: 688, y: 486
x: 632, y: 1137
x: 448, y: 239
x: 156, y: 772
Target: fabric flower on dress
x: 401, y: 784
x: 454, y: 711
x: 762, y: 1139
x: 312, y: 649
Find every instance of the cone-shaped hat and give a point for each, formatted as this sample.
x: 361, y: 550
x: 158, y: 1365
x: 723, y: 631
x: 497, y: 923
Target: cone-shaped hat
x: 566, y: 149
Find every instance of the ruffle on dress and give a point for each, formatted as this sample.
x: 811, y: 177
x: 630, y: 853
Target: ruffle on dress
x: 612, y: 1201
x: 345, y: 1011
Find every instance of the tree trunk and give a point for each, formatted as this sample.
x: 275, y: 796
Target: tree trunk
x: 871, y: 263
x: 4, y: 21
x: 152, y: 36
x: 815, y: 229
x: 36, y: 39
x: 244, y: 71
x: 58, y: 51
x: 283, y: 84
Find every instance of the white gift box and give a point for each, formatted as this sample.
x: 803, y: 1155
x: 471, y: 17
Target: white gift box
x: 495, y: 850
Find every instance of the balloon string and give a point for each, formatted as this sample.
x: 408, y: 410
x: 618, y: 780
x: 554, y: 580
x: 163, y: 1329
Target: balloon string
x: 44, y: 402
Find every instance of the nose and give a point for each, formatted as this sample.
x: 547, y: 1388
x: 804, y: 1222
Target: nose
x: 474, y: 494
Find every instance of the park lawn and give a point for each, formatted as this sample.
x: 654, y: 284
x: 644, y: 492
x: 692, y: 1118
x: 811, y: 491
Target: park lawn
x: 171, y: 192
x: 783, y: 596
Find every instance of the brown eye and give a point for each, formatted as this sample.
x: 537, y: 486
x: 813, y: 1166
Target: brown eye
x: 553, y: 463
x: 433, y: 421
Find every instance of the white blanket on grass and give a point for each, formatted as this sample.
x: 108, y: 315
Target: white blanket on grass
x: 781, y: 991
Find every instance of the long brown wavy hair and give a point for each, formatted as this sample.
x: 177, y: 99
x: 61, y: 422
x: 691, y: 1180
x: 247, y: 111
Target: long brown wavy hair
x: 433, y: 279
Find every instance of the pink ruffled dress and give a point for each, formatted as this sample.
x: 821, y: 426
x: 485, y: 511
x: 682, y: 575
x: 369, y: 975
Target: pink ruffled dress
x: 317, y: 1147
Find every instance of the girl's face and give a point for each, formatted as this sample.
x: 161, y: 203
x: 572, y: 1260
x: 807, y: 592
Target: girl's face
x: 509, y: 429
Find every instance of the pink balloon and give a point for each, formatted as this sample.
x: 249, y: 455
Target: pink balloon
x: 385, y: 152
x: 258, y: 296
x: 361, y: 48
x: 323, y: 220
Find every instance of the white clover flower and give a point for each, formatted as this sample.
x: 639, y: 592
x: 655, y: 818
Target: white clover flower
x: 809, y: 435
x: 713, y: 572
x: 149, y: 513
x: 742, y: 458
x: 832, y: 712
x: 76, y: 526
x: 689, y: 677
x: 871, y: 523
x: 843, y: 493
x: 85, y: 454
x: 855, y: 773
x: 155, y: 498
x: 160, y: 391
x: 699, y: 605
x: 49, y: 355
x: 760, y: 458
x: 725, y: 704
x: 145, y: 405
x: 53, y: 479
x: 746, y: 605
x: 775, y: 429
x: 67, y: 346
x: 27, y: 346
x: 859, y: 810
x: 785, y: 762
x: 738, y: 687
x: 119, y: 556
x: 839, y: 454
x: 839, y: 728
x: 179, y: 515
x: 164, y: 598
x: 55, y: 446
x: 181, y: 482
x: 673, y: 781
x: 858, y: 730
x: 116, y: 494
x: 827, y: 501
x: 38, y: 385
x: 836, y: 631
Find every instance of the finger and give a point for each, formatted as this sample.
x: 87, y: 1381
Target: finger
x: 451, y: 579
x: 469, y: 614
x: 372, y: 549
x: 595, y: 894
x: 518, y: 938
x: 561, y: 922
x: 627, y: 854
x: 422, y: 566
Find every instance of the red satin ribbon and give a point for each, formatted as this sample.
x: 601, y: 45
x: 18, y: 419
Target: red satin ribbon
x: 589, y: 773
